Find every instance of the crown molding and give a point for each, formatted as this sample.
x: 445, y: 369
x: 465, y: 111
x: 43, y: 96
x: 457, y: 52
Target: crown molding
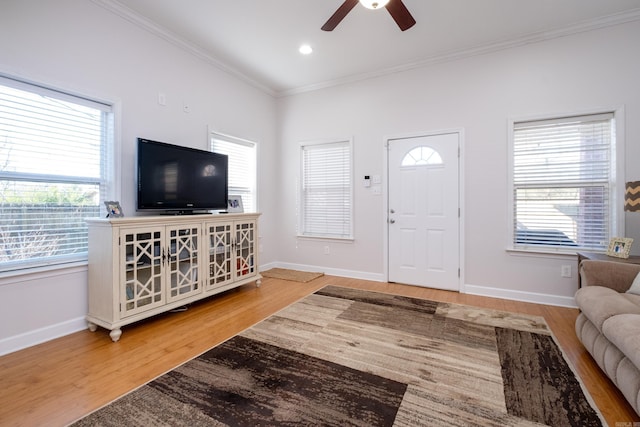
x: 585, y: 26
x: 138, y: 20
x: 123, y: 11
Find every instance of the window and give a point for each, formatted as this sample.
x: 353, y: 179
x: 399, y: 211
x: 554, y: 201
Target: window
x: 242, y: 167
x: 52, y: 173
x: 421, y: 156
x: 326, y: 193
x: 563, y: 183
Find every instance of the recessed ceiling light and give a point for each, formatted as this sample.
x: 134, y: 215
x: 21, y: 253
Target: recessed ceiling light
x: 305, y: 49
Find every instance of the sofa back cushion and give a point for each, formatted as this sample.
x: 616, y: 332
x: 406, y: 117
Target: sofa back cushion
x: 615, y: 275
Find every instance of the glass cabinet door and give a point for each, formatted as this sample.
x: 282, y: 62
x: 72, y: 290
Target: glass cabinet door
x: 220, y: 239
x: 142, y: 284
x: 245, y: 248
x: 182, y: 262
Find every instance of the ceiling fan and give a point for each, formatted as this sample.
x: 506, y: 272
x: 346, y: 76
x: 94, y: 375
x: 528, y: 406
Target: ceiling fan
x: 396, y: 8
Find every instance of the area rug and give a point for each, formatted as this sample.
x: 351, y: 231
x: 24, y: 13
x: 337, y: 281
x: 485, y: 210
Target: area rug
x: 292, y: 275
x: 347, y: 357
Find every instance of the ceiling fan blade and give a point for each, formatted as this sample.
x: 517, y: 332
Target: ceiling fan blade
x: 400, y: 14
x: 339, y: 15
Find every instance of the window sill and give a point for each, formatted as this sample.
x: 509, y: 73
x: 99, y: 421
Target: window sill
x: 324, y: 239
x: 35, y: 273
x: 543, y: 253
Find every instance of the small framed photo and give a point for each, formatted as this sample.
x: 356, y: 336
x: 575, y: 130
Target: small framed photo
x: 234, y: 205
x: 113, y: 210
x: 619, y: 247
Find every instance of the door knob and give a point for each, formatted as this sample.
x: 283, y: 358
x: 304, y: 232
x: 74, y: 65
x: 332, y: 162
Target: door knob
x: 392, y: 221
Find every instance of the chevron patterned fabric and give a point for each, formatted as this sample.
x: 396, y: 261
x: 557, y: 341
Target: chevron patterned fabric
x: 632, y: 196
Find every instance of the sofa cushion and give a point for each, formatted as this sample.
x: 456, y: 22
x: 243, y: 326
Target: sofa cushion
x: 623, y: 331
x: 599, y: 303
x: 635, y: 299
x: 615, y: 275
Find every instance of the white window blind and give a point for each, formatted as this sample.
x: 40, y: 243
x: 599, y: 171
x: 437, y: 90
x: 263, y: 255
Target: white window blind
x: 326, y: 199
x: 242, y: 167
x: 562, y: 182
x: 52, y: 173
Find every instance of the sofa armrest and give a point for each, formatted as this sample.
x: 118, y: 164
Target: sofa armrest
x: 615, y: 275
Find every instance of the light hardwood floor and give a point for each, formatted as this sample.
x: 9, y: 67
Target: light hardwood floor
x: 55, y: 383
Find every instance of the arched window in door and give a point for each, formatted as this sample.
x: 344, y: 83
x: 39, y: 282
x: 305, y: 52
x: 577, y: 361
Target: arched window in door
x: 421, y: 156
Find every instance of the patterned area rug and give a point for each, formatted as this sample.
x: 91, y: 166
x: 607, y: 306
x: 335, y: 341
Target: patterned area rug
x: 350, y: 357
x: 293, y: 275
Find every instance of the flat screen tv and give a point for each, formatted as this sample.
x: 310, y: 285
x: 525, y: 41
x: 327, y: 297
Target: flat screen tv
x: 175, y: 179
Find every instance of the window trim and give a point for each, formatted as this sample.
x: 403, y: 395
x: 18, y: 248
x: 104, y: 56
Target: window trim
x: 241, y: 141
x: 111, y: 172
x: 299, y: 195
x: 617, y: 179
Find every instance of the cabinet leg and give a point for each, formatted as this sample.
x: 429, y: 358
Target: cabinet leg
x: 115, y: 334
x: 258, y: 283
x: 92, y: 326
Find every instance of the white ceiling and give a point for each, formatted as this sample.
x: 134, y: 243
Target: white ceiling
x: 259, y: 39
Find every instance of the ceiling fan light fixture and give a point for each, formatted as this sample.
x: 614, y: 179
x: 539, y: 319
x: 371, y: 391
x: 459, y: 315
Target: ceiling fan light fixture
x: 396, y: 9
x: 374, y: 4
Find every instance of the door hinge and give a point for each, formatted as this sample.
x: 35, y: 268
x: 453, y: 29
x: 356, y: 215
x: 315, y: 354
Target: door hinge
x: 458, y: 273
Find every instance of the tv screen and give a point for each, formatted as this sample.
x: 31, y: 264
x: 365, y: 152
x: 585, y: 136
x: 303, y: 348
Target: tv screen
x: 175, y: 178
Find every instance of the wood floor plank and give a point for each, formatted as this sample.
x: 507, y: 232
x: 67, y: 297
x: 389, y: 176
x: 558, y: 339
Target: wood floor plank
x: 62, y: 380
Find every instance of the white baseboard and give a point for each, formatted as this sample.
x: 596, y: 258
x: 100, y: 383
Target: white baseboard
x: 485, y: 291
x: 362, y: 275
x: 38, y: 336
x: 520, y: 296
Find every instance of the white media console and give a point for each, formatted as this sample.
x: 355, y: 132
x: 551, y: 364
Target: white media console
x: 143, y: 266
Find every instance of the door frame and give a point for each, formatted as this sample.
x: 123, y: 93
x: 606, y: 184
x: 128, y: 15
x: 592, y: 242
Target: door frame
x: 461, y: 198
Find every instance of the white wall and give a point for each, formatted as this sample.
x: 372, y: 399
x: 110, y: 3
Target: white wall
x: 479, y: 94
x: 78, y: 46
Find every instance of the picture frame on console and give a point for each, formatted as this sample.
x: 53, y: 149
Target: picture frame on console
x: 234, y: 204
x: 619, y: 247
x: 114, y: 210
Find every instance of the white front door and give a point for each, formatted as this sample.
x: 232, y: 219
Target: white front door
x: 423, y: 218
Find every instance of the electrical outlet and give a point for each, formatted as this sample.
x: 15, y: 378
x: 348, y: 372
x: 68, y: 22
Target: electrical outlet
x: 565, y: 271
x: 326, y: 250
